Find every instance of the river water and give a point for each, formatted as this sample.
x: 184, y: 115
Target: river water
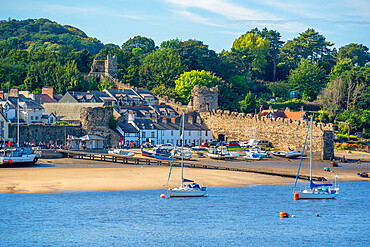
x: 237, y: 216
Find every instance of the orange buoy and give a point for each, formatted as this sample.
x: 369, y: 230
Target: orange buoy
x: 284, y: 215
x: 10, y: 161
x: 296, y: 196
x: 163, y: 196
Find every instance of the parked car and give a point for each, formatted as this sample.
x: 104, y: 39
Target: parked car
x: 213, y: 144
x: 232, y: 144
x: 204, y: 145
x: 243, y: 144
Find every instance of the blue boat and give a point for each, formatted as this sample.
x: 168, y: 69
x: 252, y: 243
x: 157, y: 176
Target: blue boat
x: 162, y: 157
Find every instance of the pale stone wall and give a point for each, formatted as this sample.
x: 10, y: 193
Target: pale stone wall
x: 96, y: 121
x: 204, y: 99
x: 104, y: 67
x: 281, y: 133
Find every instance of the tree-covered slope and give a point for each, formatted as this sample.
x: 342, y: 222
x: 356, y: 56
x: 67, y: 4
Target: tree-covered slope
x: 41, y: 33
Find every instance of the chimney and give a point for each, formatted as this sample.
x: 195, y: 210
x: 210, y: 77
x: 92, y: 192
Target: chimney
x: 14, y: 92
x: 287, y: 109
x: 271, y: 109
x: 131, y: 116
x: 190, y: 119
x: 49, y: 91
x: 173, y: 120
x: 2, y: 96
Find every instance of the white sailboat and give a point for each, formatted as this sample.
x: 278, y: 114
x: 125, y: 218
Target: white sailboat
x: 315, y: 191
x: 188, y: 188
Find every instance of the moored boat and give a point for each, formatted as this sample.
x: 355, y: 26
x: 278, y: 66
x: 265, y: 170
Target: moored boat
x: 187, y: 188
x: 16, y: 157
x: 315, y: 191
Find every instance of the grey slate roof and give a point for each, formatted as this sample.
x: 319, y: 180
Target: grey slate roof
x: 128, y: 128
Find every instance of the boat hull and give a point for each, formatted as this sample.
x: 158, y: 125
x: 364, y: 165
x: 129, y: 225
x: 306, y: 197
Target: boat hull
x: 314, y: 195
x: 161, y: 157
x: 25, y: 160
x: 186, y: 193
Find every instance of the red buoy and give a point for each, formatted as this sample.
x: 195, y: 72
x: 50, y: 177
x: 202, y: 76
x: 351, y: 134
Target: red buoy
x: 284, y: 215
x: 296, y: 196
x: 163, y: 196
x: 10, y: 161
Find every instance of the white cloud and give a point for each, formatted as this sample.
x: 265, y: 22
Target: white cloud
x: 55, y: 8
x: 226, y: 8
x: 196, y: 18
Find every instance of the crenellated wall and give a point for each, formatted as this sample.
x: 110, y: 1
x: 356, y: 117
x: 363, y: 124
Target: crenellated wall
x: 281, y: 133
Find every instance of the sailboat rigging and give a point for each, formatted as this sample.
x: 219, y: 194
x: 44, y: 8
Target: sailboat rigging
x: 188, y: 188
x: 315, y: 191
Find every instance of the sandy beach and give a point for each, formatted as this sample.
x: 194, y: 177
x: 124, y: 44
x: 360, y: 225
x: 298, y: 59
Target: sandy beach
x: 68, y: 175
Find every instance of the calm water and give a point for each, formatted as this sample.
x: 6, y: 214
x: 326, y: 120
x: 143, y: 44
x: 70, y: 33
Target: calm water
x: 247, y: 216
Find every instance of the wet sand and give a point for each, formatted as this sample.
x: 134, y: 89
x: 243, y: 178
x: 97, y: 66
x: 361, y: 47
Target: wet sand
x: 67, y: 175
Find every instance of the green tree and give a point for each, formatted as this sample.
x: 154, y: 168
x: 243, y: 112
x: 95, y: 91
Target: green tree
x: 358, y: 54
x: 273, y: 37
x: 248, y: 105
x: 146, y: 44
x: 161, y: 67
x: 197, y: 56
x: 308, y: 79
x: 188, y: 80
x: 105, y: 83
x: 308, y: 45
x: 257, y: 47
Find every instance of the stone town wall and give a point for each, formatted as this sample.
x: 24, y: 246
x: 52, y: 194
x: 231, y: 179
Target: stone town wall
x: 44, y: 133
x: 94, y: 121
x: 281, y: 133
x: 204, y: 99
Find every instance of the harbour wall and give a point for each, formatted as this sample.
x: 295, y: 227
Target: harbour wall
x: 283, y: 134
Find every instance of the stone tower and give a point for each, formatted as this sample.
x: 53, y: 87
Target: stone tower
x: 104, y: 67
x: 203, y: 99
x: 111, y: 66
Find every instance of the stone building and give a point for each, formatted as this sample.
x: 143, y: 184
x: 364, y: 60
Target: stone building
x: 203, y: 99
x: 104, y: 67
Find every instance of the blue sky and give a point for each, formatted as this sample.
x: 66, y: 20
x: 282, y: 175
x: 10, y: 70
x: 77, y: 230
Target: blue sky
x: 215, y: 22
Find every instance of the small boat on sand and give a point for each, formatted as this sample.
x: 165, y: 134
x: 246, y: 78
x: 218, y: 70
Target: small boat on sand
x: 286, y: 154
x: 252, y: 156
x: 363, y: 174
x: 121, y: 152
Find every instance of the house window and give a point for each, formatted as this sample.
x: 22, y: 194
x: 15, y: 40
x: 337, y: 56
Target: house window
x: 152, y: 134
x: 206, y: 132
x: 36, y: 118
x: 31, y: 117
x: 189, y: 133
x: 143, y: 135
x: 171, y: 132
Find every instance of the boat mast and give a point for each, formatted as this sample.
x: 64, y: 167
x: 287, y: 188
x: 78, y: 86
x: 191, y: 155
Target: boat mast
x: 18, y: 124
x: 311, y: 151
x: 182, y: 146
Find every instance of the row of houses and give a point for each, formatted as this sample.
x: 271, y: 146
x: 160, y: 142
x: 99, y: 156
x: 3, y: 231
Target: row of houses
x: 30, y: 107
x: 163, y: 130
